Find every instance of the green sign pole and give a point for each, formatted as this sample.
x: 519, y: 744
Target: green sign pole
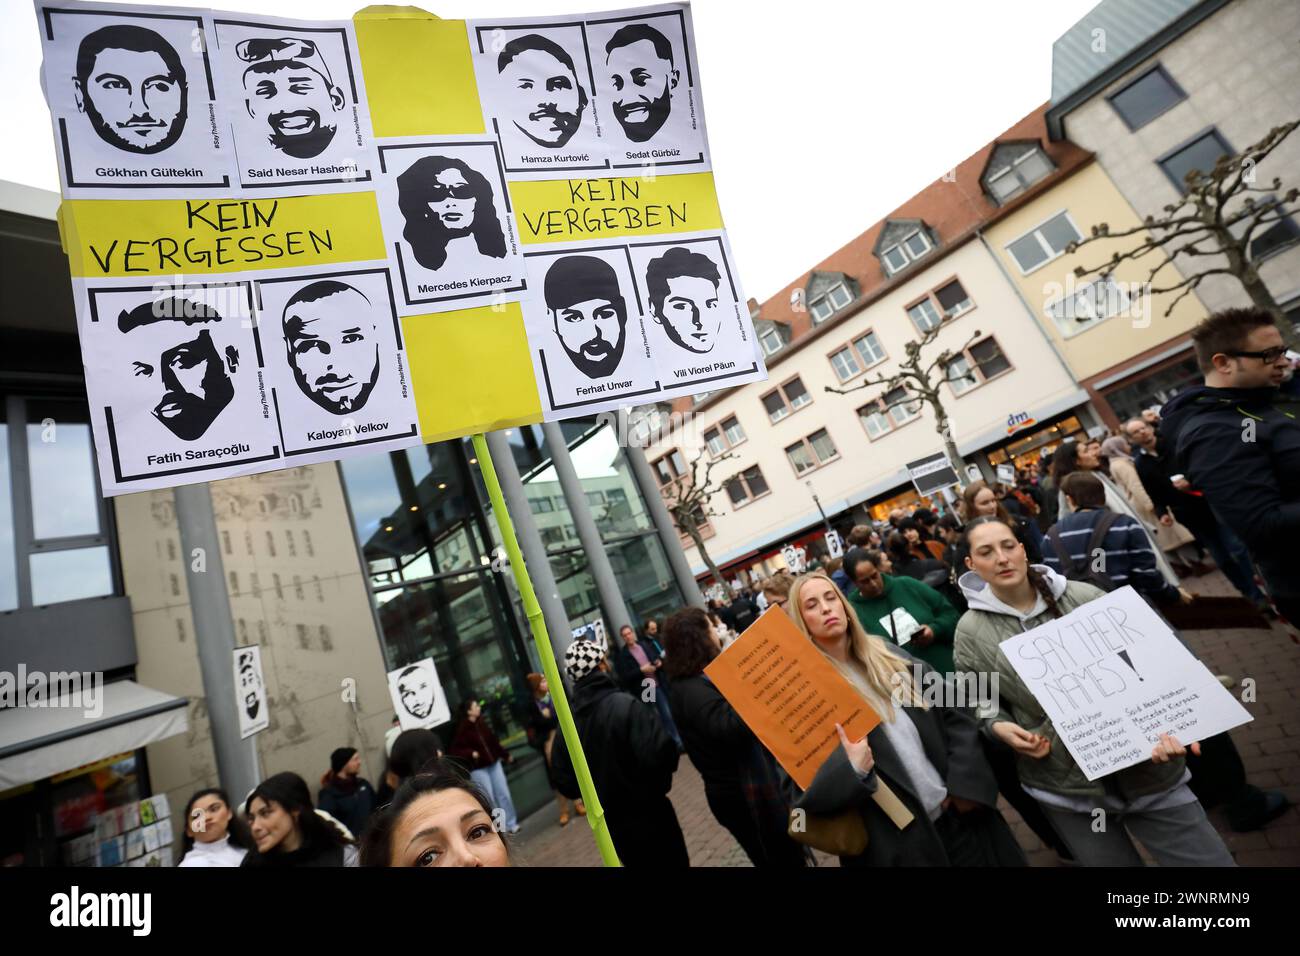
x: 595, y: 812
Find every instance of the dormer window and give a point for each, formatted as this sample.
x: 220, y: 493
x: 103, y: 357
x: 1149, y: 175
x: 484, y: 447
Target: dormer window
x: 913, y: 247
x: 901, y: 243
x: 823, y: 307
x: 770, y: 339
x: 825, y: 293
x: 1013, y: 168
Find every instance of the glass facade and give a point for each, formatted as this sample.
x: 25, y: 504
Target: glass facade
x: 428, y: 537
x: 56, y: 541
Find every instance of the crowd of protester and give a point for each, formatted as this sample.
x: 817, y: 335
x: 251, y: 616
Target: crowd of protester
x: 1213, y: 475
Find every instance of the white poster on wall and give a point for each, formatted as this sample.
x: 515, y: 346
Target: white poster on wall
x: 417, y: 696
x: 250, y: 688
x: 1113, y: 677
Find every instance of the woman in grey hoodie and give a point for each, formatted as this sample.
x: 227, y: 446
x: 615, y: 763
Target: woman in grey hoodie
x: 1148, y: 802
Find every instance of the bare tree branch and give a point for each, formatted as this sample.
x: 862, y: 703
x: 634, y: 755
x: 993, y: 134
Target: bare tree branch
x: 1205, y: 232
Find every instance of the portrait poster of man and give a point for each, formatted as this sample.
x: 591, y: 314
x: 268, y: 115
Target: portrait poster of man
x: 295, y: 101
x: 647, y: 88
x: 133, y: 101
x: 174, y: 384
x: 335, y: 369
x: 696, y: 320
x: 447, y: 220
x: 535, y: 80
x: 417, y: 694
x: 250, y: 691
x: 586, y: 331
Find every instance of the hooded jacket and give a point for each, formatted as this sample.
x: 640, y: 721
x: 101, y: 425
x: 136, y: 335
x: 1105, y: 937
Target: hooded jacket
x: 631, y: 756
x: 1241, y: 448
x: 976, y: 648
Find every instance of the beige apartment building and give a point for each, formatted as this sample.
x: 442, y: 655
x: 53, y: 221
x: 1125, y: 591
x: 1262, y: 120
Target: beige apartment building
x: 931, y: 264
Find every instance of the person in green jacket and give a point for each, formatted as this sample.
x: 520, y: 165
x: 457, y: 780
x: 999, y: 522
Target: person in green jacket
x: 902, y: 610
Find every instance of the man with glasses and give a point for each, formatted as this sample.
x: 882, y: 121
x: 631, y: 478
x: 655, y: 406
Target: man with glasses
x: 1237, y: 440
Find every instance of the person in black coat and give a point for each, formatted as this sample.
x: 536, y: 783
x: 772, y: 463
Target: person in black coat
x: 741, y: 784
x: 632, y: 761
x: 344, y: 793
x: 1156, y: 470
x: 1237, y: 440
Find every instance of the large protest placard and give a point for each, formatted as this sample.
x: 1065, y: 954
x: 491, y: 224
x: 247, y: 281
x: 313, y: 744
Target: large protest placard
x: 789, y: 695
x: 295, y: 241
x: 1113, y: 677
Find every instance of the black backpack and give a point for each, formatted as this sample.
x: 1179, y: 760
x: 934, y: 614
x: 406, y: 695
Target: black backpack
x: 1081, y: 569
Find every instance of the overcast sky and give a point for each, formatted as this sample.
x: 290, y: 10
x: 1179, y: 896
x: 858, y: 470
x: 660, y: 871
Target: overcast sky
x: 823, y: 115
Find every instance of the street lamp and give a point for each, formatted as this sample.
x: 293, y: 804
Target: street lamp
x: 818, y: 503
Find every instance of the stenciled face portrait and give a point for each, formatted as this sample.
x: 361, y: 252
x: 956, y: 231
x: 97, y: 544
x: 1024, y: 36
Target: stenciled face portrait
x: 442, y: 199
x: 131, y: 85
x: 683, y: 291
x: 288, y: 86
x: 415, y: 688
x: 249, y: 687
x: 541, y: 85
x: 588, y: 312
x: 639, y: 61
x: 451, y: 201
x: 332, y: 345
x: 193, y: 378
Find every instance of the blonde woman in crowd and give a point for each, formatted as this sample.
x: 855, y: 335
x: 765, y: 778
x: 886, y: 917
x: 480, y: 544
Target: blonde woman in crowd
x: 930, y: 757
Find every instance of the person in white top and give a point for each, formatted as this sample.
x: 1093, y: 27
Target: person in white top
x: 214, y: 835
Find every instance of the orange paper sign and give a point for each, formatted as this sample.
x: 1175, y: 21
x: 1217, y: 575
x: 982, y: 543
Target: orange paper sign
x: 790, y: 696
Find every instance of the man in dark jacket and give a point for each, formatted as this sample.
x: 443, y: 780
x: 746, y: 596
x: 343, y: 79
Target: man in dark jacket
x: 344, y: 794
x: 1237, y: 439
x: 1155, y: 469
x: 1127, y: 554
x: 632, y: 761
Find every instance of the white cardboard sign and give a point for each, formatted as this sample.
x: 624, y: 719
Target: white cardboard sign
x: 1113, y: 677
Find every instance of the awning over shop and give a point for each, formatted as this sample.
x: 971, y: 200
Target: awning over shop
x: 38, y: 742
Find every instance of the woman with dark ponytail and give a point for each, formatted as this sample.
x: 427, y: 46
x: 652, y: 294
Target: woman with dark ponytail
x: 1149, y: 802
